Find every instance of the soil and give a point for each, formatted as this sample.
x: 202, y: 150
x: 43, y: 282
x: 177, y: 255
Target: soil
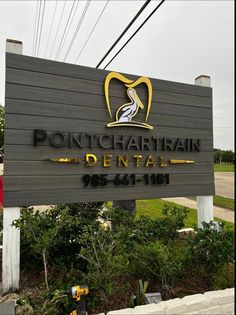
x: 32, y: 281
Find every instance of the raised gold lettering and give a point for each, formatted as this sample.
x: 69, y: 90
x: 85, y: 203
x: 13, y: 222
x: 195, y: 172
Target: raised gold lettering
x: 107, y: 160
x: 122, y: 160
x: 90, y: 159
x: 137, y: 159
x: 150, y: 161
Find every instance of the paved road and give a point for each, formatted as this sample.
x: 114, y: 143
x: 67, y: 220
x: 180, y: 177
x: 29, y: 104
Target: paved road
x: 224, y: 182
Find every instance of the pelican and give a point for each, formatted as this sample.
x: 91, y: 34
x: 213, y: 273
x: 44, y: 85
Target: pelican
x: 127, y: 111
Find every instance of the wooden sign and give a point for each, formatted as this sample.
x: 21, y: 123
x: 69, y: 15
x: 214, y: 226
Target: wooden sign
x: 77, y: 134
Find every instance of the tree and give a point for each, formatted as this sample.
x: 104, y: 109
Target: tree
x: 225, y: 156
x: 228, y: 156
x: 217, y: 156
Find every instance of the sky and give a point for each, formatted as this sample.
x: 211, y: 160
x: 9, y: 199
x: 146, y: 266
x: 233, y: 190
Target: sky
x: 181, y: 41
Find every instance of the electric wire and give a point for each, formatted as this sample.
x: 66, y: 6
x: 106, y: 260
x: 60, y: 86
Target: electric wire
x: 41, y: 27
x: 82, y: 49
x: 35, y: 24
x: 57, y: 28
x: 123, y: 33
x: 68, y: 29
x: 50, y: 31
x: 157, y: 7
x: 77, y: 29
x: 65, y: 29
x: 36, y: 38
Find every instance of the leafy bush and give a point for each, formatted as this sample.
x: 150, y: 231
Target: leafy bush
x: 210, y: 251
x: 165, y: 228
x: 108, y: 265
x: 224, y: 277
x: 164, y: 262
x: 146, y: 229
x: 74, y: 248
x: 212, y: 248
x: 53, y: 236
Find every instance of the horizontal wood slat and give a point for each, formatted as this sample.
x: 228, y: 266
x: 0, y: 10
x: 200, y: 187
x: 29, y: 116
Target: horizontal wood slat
x: 27, y: 122
x: 87, y: 98
x: 75, y: 71
x: 22, y: 137
x: 38, y: 153
x: 31, y: 183
x: 44, y: 168
x: 74, y: 195
x: 16, y: 106
x: 49, y: 95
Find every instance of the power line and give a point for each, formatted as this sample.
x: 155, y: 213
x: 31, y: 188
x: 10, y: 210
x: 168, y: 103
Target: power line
x: 125, y: 30
x: 41, y: 27
x: 77, y: 29
x: 36, y: 38
x: 82, y: 49
x: 55, y: 8
x: 68, y: 29
x: 58, y: 28
x: 65, y: 29
x: 158, y: 6
x: 35, y: 24
x: 223, y: 127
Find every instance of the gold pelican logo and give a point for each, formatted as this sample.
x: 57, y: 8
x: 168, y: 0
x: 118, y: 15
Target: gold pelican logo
x: 126, y: 112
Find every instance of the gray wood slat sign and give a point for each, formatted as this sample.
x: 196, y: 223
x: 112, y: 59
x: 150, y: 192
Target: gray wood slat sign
x: 68, y: 139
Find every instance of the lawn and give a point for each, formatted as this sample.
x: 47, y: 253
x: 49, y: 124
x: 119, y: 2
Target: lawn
x: 223, y: 167
x: 222, y: 202
x: 153, y: 208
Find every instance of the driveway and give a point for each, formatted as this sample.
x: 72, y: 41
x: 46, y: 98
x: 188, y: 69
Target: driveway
x: 224, y: 183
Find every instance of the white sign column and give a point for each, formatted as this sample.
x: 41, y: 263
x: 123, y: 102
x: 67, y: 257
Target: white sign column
x: 11, y: 235
x: 204, y: 203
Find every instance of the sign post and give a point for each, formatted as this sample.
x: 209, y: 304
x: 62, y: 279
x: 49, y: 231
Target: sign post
x: 11, y: 235
x: 205, y: 208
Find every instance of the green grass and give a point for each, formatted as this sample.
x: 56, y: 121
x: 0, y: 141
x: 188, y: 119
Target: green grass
x: 153, y: 209
x: 224, y: 167
x: 222, y: 202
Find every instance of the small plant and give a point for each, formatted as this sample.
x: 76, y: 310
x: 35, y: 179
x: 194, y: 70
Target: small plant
x: 138, y: 299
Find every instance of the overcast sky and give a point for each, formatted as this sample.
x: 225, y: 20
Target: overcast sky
x: 182, y: 40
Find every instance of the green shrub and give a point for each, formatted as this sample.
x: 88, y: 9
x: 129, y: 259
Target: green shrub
x: 164, y: 262
x: 164, y: 228
x: 75, y: 248
x: 108, y: 265
x: 52, y: 237
x: 145, y: 229
x: 211, y: 248
x: 224, y: 277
